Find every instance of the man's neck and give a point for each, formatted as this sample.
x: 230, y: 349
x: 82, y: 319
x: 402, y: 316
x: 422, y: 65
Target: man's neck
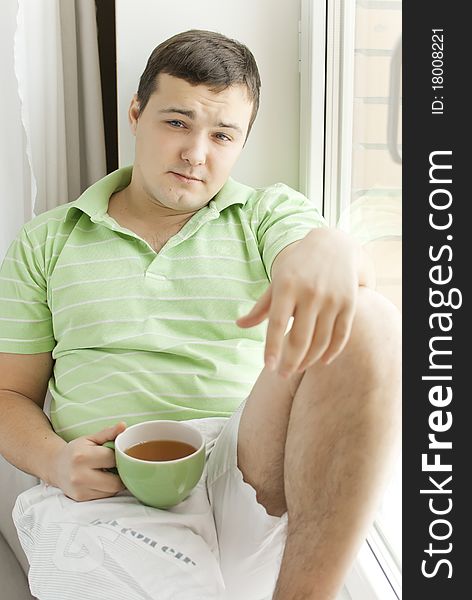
x: 144, y: 215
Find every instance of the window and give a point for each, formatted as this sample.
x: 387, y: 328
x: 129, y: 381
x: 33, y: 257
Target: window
x: 350, y: 157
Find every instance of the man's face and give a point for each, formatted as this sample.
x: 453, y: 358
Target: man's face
x: 188, y: 139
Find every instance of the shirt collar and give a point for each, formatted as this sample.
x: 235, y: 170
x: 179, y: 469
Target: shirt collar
x: 231, y: 193
x: 94, y: 201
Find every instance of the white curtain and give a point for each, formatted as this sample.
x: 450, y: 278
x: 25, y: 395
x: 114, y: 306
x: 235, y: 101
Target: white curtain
x: 15, y: 192
x: 52, y: 146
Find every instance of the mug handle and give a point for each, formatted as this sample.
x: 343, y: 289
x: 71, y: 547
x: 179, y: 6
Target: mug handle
x: 111, y: 445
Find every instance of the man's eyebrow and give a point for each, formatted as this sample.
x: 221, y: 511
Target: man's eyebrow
x: 231, y: 126
x: 188, y: 113
x: 191, y: 115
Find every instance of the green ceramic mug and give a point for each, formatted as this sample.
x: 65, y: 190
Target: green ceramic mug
x: 160, y: 484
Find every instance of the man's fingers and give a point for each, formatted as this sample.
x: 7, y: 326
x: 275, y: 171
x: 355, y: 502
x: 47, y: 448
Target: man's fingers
x: 341, y: 334
x: 108, y: 434
x: 99, y: 485
x: 258, y: 312
x: 101, y: 457
x: 280, y: 312
x: 108, y: 483
x: 321, y: 338
x: 297, y: 342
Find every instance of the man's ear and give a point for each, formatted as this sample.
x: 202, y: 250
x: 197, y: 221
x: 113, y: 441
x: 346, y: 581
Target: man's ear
x: 133, y: 114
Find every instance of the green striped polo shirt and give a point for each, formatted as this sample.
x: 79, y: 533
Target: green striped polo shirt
x: 138, y: 335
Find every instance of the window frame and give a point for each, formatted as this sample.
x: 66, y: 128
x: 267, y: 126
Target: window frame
x: 326, y: 67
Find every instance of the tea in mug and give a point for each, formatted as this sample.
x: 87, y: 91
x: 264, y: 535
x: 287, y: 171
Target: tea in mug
x: 159, y: 450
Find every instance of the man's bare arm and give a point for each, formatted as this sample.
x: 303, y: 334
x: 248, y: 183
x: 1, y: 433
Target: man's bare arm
x: 28, y: 441
x: 365, y: 264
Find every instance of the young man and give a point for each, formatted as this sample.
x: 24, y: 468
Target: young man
x: 128, y: 302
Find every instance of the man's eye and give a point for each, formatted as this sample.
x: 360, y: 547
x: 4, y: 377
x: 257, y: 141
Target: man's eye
x: 223, y: 137
x: 176, y: 123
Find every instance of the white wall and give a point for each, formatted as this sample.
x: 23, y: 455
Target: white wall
x: 268, y: 27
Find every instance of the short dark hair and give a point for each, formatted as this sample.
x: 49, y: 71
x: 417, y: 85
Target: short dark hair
x: 202, y: 57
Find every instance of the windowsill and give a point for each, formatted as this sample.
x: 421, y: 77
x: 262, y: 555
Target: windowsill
x: 373, y: 576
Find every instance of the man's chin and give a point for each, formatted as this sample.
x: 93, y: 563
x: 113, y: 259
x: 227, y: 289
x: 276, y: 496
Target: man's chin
x: 183, y: 203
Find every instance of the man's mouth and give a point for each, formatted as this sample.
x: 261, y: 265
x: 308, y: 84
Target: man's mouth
x: 185, y: 178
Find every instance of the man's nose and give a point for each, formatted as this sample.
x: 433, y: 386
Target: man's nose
x: 195, y: 150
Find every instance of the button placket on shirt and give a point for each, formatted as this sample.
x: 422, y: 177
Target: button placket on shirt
x: 159, y: 266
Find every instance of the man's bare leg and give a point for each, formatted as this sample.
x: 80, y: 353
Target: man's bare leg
x: 328, y: 462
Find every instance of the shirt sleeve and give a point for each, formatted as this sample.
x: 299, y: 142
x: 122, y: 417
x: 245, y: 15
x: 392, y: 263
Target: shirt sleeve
x: 283, y: 216
x: 25, y: 317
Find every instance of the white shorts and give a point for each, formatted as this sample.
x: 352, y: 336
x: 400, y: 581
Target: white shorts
x: 219, y: 543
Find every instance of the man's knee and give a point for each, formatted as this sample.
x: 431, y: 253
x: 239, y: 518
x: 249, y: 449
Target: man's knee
x: 374, y: 346
x: 377, y: 325
x: 366, y: 377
